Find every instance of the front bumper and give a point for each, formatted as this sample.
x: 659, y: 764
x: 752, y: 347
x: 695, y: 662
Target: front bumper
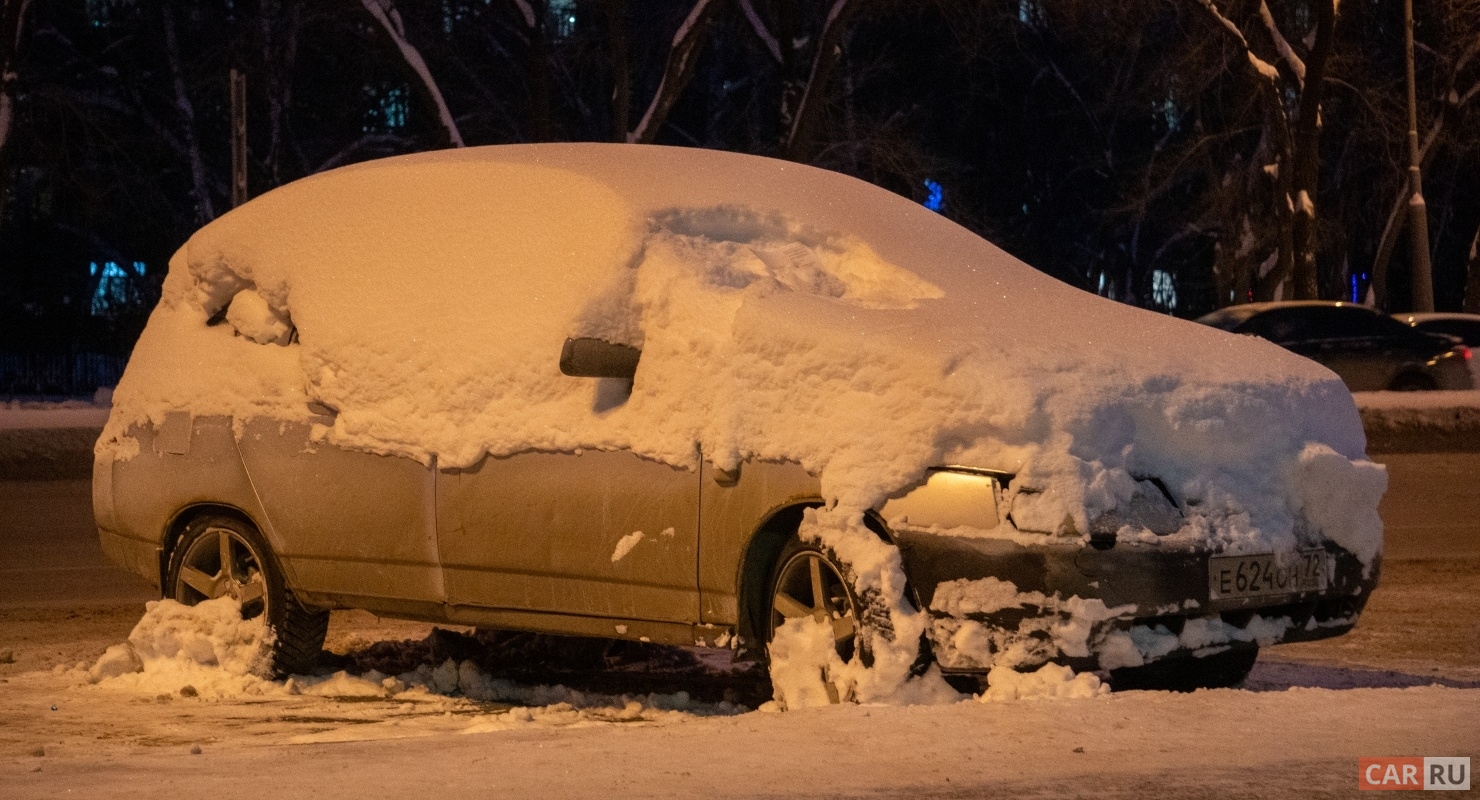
x: 1090, y: 608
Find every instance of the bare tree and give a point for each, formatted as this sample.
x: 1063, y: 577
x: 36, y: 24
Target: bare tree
x: 801, y: 138
x: 199, y: 181
x: 1292, y: 139
x: 389, y: 18
x: 683, y: 55
x: 279, y: 26
x: 12, y: 26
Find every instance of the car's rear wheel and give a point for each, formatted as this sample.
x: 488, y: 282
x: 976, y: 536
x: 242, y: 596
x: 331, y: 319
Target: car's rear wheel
x: 220, y: 556
x: 1223, y: 670
x: 809, y: 583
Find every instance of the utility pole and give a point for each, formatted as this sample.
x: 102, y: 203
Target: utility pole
x: 1418, y: 211
x: 238, y: 138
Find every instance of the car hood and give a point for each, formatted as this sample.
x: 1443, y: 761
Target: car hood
x: 783, y: 312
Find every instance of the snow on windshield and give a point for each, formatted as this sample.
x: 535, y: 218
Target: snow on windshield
x: 783, y: 312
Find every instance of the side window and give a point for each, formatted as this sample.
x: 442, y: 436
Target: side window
x: 1347, y: 322
x: 1281, y: 326
x: 1464, y: 329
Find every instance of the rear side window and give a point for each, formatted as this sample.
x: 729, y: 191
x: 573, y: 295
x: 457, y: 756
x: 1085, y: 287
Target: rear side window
x: 1315, y: 323
x: 1467, y: 330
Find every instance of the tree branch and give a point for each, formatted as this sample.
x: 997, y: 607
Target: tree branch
x: 759, y: 26
x: 1282, y: 46
x: 389, y: 18
x: 682, y: 55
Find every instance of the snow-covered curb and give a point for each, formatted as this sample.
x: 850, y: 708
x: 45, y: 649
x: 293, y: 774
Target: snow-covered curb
x: 1420, y: 422
x: 51, y: 440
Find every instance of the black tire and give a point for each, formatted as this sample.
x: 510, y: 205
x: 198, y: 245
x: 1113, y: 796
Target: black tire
x: 220, y: 556
x: 1413, y: 382
x: 1223, y: 670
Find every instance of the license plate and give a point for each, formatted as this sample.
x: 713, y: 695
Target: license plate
x: 1231, y: 577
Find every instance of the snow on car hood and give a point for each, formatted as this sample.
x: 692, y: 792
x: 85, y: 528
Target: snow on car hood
x: 783, y: 312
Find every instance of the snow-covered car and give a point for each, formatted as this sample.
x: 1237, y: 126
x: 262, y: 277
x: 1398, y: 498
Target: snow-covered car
x: 697, y: 397
x: 1370, y: 350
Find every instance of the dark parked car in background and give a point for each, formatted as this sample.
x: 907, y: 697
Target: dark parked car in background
x: 1464, y: 326
x: 1368, y: 350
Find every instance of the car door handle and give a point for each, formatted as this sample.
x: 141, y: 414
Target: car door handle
x: 727, y: 477
x: 322, y: 414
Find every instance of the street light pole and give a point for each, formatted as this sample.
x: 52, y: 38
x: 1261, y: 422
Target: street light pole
x: 1418, y: 212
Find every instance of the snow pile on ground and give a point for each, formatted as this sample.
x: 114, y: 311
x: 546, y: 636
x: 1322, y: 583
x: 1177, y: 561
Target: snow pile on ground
x: 1005, y: 685
x: 207, y: 646
x: 209, y: 651
x: 784, y: 313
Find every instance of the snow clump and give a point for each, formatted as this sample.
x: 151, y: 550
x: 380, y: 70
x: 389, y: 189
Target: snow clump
x: 207, y: 646
x: 1005, y: 685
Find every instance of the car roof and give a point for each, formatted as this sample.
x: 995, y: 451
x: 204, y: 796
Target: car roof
x: 1233, y: 316
x: 1434, y: 316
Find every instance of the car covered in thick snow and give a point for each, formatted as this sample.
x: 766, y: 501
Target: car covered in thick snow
x: 697, y: 397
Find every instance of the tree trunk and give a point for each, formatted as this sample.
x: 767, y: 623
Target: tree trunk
x: 389, y: 18
x: 280, y: 54
x: 199, y: 180
x: 616, y: 37
x: 537, y: 69
x: 801, y: 140
x: 12, y: 23
x: 683, y: 55
x: 1306, y: 155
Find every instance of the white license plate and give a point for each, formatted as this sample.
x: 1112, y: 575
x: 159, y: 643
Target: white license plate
x: 1231, y: 577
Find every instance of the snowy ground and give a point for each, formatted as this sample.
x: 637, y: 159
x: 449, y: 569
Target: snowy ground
x: 1407, y: 681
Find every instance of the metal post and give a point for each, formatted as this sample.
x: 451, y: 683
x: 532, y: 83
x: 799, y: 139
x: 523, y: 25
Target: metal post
x: 238, y: 138
x: 1418, y: 212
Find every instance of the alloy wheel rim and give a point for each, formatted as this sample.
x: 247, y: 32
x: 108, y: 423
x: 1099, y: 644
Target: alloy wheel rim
x: 221, y: 563
x: 810, y: 586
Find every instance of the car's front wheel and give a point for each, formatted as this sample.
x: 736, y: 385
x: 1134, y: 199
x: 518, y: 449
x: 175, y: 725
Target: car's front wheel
x: 808, y: 584
x: 220, y: 556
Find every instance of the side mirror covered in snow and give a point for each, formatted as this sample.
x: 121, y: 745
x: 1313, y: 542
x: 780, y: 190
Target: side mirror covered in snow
x: 595, y: 358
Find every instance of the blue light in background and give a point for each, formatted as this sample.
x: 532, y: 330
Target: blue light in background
x: 115, y: 287
x: 937, y: 198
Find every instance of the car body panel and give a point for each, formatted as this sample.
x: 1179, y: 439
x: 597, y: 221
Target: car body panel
x: 541, y: 531
x: 347, y: 523
x: 731, y: 512
x: 148, y: 493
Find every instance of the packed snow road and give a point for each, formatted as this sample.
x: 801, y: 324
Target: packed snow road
x: 1405, y: 682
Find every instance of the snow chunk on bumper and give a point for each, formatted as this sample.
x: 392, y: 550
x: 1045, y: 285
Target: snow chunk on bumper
x: 1336, y: 495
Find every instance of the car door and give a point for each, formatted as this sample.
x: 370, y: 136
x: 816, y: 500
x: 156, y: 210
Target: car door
x: 352, y: 526
x: 595, y: 533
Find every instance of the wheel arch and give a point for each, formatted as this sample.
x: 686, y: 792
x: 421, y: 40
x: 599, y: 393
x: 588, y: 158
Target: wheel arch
x: 760, y: 557
x: 182, y: 519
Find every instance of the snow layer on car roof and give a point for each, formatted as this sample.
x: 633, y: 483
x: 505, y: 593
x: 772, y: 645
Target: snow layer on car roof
x: 784, y: 312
